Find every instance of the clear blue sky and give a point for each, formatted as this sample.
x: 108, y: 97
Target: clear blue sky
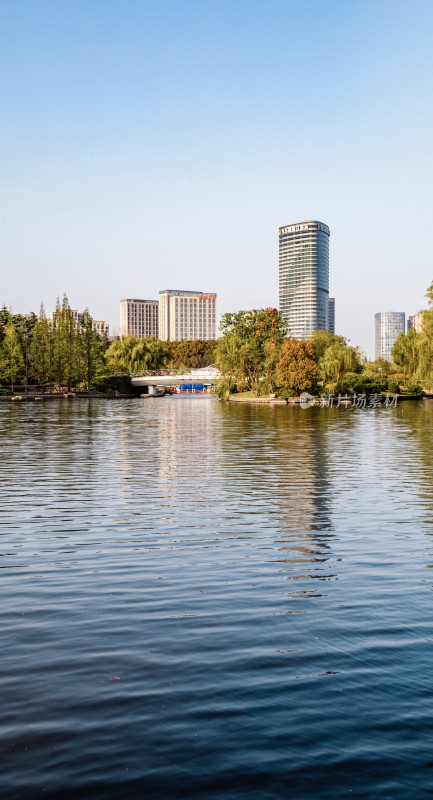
x: 152, y: 145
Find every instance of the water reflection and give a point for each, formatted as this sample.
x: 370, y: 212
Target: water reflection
x: 205, y: 600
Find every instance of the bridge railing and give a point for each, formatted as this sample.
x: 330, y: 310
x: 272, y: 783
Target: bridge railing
x: 162, y: 373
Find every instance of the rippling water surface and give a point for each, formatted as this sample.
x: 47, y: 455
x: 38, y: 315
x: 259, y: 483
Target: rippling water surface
x: 209, y: 600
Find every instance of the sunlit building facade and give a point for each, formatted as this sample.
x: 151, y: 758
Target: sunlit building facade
x: 304, y: 277
x: 187, y: 315
x: 387, y: 326
x: 415, y: 322
x: 139, y: 318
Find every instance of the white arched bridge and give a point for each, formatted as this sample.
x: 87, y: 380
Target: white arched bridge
x: 153, y: 379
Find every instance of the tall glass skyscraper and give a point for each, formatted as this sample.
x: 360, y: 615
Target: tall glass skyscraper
x: 387, y: 326
x: 304, y: 277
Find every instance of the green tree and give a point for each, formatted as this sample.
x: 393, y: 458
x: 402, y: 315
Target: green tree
x: 297, y: 369
x: 337, y: 360
x: 66, y: 345
x: 429, y: 295
x: 324, y: 339
x: 256, y: 339
x: 192, y: 354
x: 424, y: 372
x: 90, y: 350
x: 24, y: 325
x: 5, y: 317
x: 41, y: 350
x: 130, y: 355
x: 406, y: 352
x: 11, y: 356
x: 228, y: 360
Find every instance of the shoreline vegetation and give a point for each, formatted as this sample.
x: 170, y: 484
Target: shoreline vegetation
x: 56, y: 356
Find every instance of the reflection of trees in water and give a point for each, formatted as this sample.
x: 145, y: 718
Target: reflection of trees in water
x: 53, y: 435
x: 415, y: 419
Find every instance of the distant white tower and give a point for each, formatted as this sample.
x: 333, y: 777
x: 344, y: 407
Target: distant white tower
x: 387, y: 325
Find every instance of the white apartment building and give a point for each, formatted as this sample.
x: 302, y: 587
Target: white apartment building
x: 187, y: 315
x: 139, y: 318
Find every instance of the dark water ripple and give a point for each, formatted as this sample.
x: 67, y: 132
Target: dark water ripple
x: 206, y: 600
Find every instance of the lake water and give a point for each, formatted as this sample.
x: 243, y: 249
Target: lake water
x: 210, y: 600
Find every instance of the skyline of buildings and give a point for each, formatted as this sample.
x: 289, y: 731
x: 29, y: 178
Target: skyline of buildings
x: 304, y: 299
x: 179, y: 314
x: 303, y: 255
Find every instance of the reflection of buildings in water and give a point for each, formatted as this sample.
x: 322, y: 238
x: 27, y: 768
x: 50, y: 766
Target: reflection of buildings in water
x: 168, y: 452
x: 284, y: 455
x: 185, y: 443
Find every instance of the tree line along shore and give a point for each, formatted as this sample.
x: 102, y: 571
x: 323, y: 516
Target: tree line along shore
x: 254, y: 354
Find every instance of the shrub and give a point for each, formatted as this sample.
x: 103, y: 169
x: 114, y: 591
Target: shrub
x: 414, y: 388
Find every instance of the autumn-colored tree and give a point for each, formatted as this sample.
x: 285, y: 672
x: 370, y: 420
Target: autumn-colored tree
x: 297, y: 369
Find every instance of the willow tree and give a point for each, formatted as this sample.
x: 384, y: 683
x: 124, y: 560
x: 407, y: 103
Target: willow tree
x: 337, y: 361
x: 413, y: 351
x: 130, y: 355
x: 405, y: 353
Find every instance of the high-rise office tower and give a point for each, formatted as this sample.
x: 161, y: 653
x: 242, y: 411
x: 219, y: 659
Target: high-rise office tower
x: 186, y: 315
x: 304, y: 277
x: 387, y: 326
x: 139, y: 318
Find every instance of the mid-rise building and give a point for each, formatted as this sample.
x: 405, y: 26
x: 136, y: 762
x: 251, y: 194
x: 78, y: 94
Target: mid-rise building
x: 99, y: 325
x: 388, y: 325
x: 139, y: 318
x: 187, y: 315
x: 415, y: 322
x: 304, y: 277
